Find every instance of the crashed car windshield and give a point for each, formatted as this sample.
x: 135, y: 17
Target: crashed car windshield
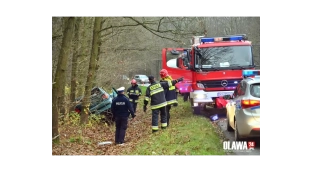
x: 100, y: 101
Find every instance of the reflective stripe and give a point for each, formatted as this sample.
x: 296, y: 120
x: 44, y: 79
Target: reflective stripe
x: 163, y: 124
x: 170, y: 83
x: 172, y: 101
x: 172, y: 88
x: 168, y: 79
x: 155, y: 128
x: 159, y: 105
x: 157, y: 90
x: 131, y: 100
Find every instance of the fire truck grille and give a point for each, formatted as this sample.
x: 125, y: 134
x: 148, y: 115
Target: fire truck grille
x: 220, y: 83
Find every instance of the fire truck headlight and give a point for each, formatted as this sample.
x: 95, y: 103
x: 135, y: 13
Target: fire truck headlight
x: 200, y: 96
x: 200, y: 85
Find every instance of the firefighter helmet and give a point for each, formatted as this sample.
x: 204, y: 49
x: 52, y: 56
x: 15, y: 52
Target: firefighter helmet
x: 163, y: 73
x: 133, y: 81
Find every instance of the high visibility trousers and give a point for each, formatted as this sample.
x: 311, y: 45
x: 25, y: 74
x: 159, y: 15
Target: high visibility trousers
x: 163, y: 118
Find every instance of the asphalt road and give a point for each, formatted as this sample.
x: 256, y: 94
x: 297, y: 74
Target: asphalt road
x: 230, y: 136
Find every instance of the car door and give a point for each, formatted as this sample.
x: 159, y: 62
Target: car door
x: 255, y: 96
x: 240, y: 95
x: 141, y: 79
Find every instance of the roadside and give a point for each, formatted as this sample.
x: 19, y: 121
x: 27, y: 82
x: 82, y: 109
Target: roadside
x: 229, y: 136
x: 188, y: 134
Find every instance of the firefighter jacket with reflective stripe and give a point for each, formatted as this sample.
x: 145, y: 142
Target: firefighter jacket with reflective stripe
x: 134, y: 93
x: 156, y: 93
x: 170, y: 93
x: 121, y: 107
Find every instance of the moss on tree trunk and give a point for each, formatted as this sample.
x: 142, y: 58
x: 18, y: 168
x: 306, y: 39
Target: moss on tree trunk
x: 60, y: 76
x: 91, y: 72
x: 73, y: 86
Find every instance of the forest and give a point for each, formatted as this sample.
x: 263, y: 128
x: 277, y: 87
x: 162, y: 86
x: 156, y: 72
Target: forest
x: 99, y: 51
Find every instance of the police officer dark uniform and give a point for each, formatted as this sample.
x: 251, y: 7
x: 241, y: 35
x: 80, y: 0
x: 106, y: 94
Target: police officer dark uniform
x: 121, y: 109
x: 133, y: 93
x: 170, y: 93
x: 155, y: 93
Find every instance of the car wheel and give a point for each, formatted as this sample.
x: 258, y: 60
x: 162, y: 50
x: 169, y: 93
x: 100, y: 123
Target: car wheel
x: 228, y: 126
x: 236, y: 133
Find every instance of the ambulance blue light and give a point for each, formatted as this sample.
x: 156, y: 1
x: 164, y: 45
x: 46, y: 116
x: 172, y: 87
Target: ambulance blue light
x: 250, y: 73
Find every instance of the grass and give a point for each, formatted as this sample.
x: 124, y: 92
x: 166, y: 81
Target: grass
x: 143, y: 89
x: 188, y: 134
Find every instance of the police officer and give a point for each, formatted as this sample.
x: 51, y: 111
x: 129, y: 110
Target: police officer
x: 186, y: 96
x: 156, y: 93
x: 170, y: 93
x: 133, y: 93
x: 121, y: 107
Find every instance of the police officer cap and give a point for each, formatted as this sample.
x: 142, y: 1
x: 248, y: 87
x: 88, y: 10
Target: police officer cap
x: 151, y: 77
x: 121, y: 89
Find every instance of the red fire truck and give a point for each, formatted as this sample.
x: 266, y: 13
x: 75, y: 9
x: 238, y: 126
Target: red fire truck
x: 211, y: 67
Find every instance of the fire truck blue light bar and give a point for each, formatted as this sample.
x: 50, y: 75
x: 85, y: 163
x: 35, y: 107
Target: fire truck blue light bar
x: 217, y: 39
x: 250, y: 73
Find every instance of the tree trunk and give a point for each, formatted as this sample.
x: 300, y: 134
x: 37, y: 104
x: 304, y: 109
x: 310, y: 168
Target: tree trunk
x: 91, y: 71
x: 60, y: 76
x: 97, y: 66
x: 84, y: 55
x: 73, y: 86
x: 62, y: 101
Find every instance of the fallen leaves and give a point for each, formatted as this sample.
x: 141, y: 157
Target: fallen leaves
x: 77, y: 140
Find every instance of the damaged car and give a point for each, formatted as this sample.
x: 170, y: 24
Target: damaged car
x: 100, y: 102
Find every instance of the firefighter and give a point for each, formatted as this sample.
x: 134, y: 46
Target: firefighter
x: 133, y: 93
x: 155, y: 92
x: 121, y: 109
x: 177, y: 91
x: 170, y: 93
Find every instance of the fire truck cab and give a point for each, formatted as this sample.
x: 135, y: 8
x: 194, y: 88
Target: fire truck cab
x: 211, y: 68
